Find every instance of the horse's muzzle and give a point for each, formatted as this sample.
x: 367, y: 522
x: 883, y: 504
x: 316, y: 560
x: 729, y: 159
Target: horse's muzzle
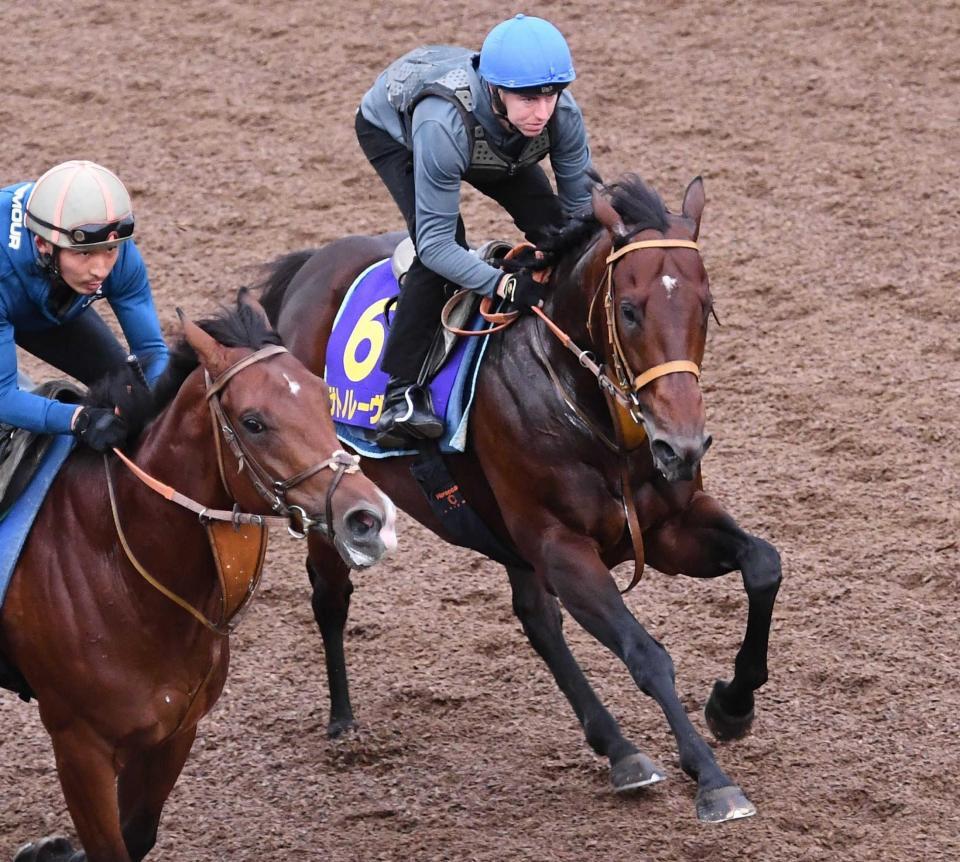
x: 678, y: 458
x: 365, y: 534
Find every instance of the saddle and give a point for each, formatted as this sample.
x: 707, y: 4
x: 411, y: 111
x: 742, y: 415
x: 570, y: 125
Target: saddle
x: 21, y: 451
x: 492, y: 252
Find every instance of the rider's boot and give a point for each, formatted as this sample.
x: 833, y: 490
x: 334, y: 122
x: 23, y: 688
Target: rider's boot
x: 407, y: 414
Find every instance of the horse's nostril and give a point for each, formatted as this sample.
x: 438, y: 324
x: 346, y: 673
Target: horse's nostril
x: 664, y: 452
x: 363, y: 523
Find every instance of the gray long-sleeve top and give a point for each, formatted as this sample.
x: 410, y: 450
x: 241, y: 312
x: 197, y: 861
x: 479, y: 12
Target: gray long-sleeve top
x: 440, y: 145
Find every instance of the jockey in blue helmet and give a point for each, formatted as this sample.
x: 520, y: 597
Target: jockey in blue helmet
x: 437, y: 117
x: 66, y: 241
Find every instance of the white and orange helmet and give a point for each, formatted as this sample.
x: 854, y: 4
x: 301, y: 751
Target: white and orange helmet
x: 80, y: 205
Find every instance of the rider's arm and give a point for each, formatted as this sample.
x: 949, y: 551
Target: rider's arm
x: 570, y: 156
x: 131, y: 300
x: 23, y: 409
x: 440, y: 159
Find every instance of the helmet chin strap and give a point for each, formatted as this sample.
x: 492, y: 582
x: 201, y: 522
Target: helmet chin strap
x: 500, y: 109
x: 50, y: 263
x: 61, y: 293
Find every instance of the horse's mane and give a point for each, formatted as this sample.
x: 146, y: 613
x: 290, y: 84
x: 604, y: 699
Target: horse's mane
x: 278, y: 275
x: 241, y: 326
x: 638, y: 205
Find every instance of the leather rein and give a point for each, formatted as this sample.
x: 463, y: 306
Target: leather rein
x: 622, y: 392
x: 294, y: 518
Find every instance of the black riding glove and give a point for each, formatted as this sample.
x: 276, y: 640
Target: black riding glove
x: 100, y: 429
x: 523, y: 291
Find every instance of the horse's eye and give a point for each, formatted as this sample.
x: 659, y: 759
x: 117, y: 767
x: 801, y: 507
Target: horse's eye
x: 253, y: 423
x: 630, y: 313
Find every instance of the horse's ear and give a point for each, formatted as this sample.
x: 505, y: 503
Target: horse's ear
x: 245, y: 297
x: 694, y: 199
x: 212, y: 354
x: 607, y: 215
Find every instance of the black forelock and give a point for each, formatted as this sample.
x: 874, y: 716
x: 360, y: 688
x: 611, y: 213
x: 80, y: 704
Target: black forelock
x: 640, y: 207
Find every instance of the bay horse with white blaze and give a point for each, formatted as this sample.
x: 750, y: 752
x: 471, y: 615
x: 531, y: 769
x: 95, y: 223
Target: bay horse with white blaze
x: 119, y: 607
x: 576, y: 477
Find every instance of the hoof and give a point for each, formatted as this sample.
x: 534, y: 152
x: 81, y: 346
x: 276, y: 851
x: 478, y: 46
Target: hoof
x: 722, y: 724
x: 633, y: 771
x: 338, y: 728
x: 722, y: 804
x: 54, y: 848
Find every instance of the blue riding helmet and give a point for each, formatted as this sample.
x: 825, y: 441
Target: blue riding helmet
x: 525, y: 52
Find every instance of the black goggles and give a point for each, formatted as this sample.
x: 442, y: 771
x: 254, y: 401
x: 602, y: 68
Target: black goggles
x: 89, y: 234
x: 539, y: 90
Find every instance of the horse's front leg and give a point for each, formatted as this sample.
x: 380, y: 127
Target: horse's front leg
x: 144, y: 784
x: 85, y: 765
x: 703, y: 541
x: 540, y: 616
x: 330, y: 579
x: 587, y: 590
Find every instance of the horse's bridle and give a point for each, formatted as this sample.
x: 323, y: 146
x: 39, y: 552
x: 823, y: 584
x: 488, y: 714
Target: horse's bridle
x: 627, y: 381
x: 623, y: 391
x: 626, y: 387
x: 273, y: 490
x: 294, y: 518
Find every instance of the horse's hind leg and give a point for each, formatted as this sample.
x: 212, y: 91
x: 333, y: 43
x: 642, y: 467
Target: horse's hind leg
x: 330, y: 579
x: 144, y: 785
x: 539, y: 613
x: 704, y: 542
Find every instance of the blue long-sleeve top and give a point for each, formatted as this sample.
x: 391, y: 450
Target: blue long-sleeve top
x: 24, y: 292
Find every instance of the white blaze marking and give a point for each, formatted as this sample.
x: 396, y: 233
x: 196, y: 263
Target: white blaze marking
x: 294, y: 386
x: 669, y: 283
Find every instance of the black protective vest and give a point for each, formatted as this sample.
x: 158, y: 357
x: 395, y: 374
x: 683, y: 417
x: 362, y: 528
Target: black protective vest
x: 447, y: 72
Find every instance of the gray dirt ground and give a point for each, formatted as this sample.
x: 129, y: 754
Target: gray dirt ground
x: 826, y: 133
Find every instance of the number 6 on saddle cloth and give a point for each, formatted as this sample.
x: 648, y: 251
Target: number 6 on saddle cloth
x: 357, y: 385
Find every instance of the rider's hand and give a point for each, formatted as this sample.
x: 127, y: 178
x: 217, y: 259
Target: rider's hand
x: 522, y: 291
x: 99, y: 428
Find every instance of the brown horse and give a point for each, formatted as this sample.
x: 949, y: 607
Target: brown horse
x: 558, y: 468
x: 124, y: 668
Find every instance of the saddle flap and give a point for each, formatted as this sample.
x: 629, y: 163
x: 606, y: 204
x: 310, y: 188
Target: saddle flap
x: 21, y: 451
x: 493, y: 252
x: 444, y: 341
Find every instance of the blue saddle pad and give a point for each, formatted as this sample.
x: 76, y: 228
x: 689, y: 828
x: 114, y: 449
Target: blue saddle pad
x: 15, y: 527
x: 357, y: 382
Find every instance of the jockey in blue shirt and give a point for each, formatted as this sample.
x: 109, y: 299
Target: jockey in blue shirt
x: 66, y: 242
x: 441, y: 116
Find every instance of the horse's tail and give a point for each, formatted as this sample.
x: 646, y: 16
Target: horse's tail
x: 279, y: 274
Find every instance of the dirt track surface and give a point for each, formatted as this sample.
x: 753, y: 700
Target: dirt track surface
x: 827, y: 137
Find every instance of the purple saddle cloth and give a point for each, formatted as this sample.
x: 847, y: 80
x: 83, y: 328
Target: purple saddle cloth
x: 357, y: 382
